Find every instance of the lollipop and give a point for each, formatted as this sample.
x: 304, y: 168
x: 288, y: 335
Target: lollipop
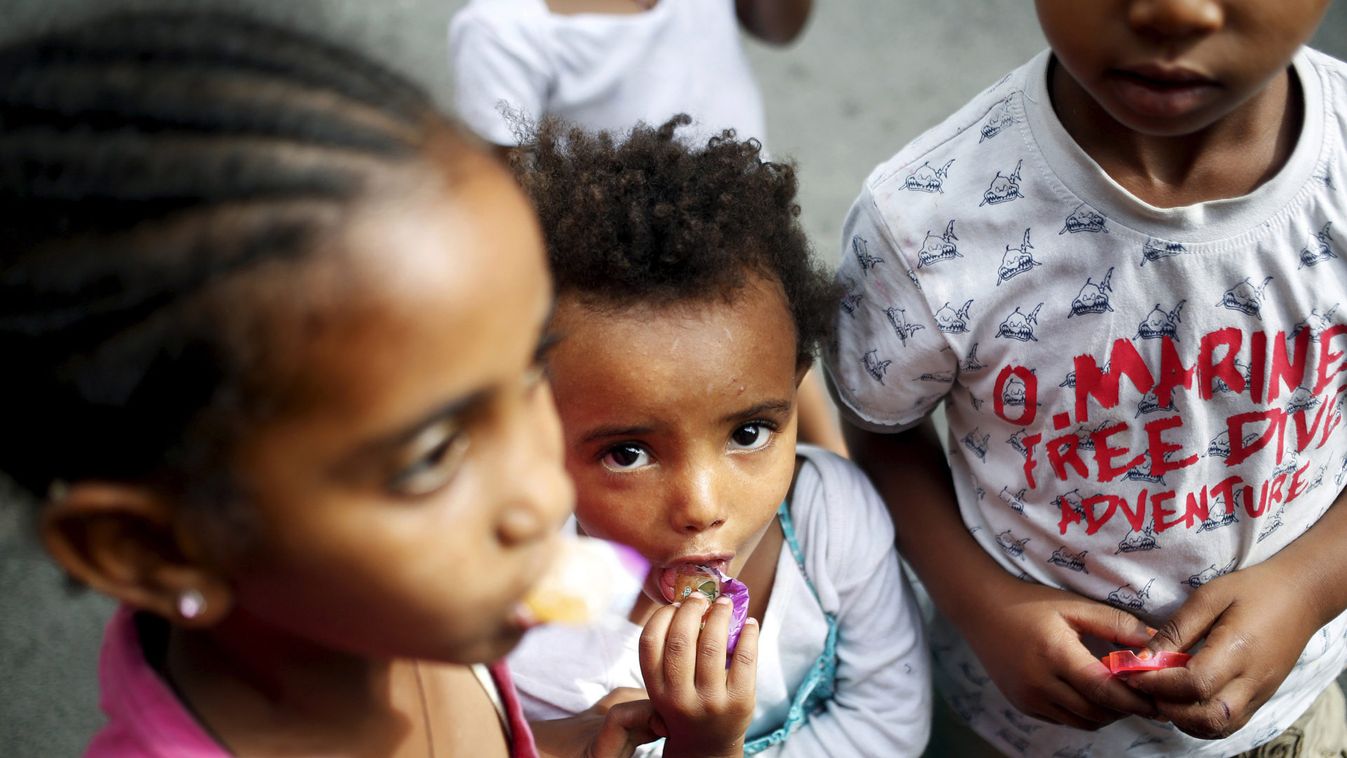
x: 588, y: 578
x: 711, y: 583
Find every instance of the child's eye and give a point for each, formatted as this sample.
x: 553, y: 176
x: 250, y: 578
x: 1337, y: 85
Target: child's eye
x: 433, y: 469
x: 752, y: 436
x: 625, y: 457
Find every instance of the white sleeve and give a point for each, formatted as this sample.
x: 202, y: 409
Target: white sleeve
x: 881, y: 704
x: 889, y: 364
x: 497, y: 63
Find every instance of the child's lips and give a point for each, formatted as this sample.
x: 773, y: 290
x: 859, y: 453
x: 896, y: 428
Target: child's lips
x: 1162, y: 91
x: 668, y: 574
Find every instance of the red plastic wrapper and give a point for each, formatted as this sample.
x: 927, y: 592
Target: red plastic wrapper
x: 712, y: 583
x: 1123, y: 661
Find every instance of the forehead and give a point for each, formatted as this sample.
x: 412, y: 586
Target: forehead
x: 433, y: 293
x: 718, y: 350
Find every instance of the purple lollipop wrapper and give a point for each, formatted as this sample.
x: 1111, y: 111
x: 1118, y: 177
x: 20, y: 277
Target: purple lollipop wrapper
x: 737, y: 592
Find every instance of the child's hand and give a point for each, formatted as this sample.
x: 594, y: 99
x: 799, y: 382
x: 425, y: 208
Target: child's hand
x: 611, y: 728
x: 1030, y: 644
x: 1255, y: 625
x: 705, y: 708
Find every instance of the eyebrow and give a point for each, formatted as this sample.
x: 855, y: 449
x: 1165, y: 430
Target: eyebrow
x: 610, y: 432
x: 458, y: 406
x: 764, y: 408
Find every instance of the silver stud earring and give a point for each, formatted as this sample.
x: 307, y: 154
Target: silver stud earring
x: 191, y: 603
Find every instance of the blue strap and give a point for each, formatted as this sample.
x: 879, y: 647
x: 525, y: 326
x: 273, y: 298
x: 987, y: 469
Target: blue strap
x: 817, y: 687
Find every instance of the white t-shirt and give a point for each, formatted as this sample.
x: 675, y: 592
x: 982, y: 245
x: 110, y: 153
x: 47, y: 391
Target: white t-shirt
x: 603, y: 71
x: 881, y: 704
x: 993, y: 265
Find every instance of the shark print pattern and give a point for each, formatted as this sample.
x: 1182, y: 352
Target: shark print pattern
x: 1020, y: 326
x: 860, y: 247
x: 951, y: 321
x: 1003, y: 188
x: 935, y: 249
x: 998, y: 120
x: 1016, y: 261
x: 1320, y: 248
x: 1245, y: 297
x: 1084, y: 219
x: 898, y: 320
x: 928, y: 179
x: 1093, y: 298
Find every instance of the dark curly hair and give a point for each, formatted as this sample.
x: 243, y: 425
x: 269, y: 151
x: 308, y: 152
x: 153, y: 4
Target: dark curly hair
x: 652, y: 220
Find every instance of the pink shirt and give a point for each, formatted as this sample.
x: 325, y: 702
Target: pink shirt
x: 147, y: 720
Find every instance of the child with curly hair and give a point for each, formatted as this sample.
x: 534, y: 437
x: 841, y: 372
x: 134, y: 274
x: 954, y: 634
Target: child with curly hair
x: 688, y: 308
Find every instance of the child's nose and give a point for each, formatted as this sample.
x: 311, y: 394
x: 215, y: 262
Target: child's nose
x: 543, y: 499
x: 698, y: 505
x: 1176, y: 18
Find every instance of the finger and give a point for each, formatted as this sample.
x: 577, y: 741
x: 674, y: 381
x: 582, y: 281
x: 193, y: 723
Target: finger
x: 617, y: 696
x: 1108, y: 623
x: 680, y: 645
x: 1092, y: 681
x: 625, y: 726
x: 1223, y: 658
x: 651, y: 651
x: 1059, y: 714
x: 1071, y: 708
x: 1190, y: 623
x: 711, y: 644
x: 742, y: 680
x: 1219, y: 716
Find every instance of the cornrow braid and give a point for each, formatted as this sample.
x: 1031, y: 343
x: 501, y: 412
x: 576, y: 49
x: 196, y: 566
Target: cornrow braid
x: 146, y: 158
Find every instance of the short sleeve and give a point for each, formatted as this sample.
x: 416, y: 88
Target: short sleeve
x: 498, y: 66
x: 889, y: 363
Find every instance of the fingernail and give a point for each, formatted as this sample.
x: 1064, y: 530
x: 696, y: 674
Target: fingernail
x: 752, y: 621
x: 1152, y: 632
x: 678, y: 604
x: 723, y: 600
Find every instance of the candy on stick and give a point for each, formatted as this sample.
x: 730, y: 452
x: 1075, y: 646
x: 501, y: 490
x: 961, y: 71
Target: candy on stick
x: 588, y: 577
x: 712, y: 583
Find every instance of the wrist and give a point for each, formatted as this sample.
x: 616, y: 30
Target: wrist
x: 676, y: 748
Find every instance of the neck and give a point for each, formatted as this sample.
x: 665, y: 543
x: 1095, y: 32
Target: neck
x: 251, y: 685
x: 1231, y: 157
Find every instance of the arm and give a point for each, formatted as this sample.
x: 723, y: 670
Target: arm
x: 774, y: 21
x: 1028, y: 636
x: 818, y: 422
x: 1255, y: 623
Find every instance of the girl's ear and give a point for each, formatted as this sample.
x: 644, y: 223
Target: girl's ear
x: 124, y: 541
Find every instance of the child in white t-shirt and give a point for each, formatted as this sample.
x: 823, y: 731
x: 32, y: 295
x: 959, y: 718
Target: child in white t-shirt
x: 608, y: 64
x: 1120, y: 270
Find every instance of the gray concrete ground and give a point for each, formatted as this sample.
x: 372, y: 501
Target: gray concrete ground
x: 865, y: 78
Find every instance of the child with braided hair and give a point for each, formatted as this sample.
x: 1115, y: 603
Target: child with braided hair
x: 272, y: 330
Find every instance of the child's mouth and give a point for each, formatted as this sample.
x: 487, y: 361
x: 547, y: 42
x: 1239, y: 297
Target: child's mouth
x: 1161, y: 92
x: 668, y: 576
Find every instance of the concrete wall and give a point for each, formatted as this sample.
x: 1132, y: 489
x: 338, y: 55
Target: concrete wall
x: 865, y: 78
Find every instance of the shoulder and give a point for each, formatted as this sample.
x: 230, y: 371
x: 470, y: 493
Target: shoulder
x: 506, y: 19
x: 921, y: 169
x: 835, y: 504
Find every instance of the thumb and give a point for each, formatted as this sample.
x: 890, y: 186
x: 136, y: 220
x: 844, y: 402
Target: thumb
x: 625, y: 726
x: 1190, y: 623
x: 1108, y: 623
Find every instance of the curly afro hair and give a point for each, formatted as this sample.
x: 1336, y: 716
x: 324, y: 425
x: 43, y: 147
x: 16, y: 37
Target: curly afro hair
x: 653, y: 221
